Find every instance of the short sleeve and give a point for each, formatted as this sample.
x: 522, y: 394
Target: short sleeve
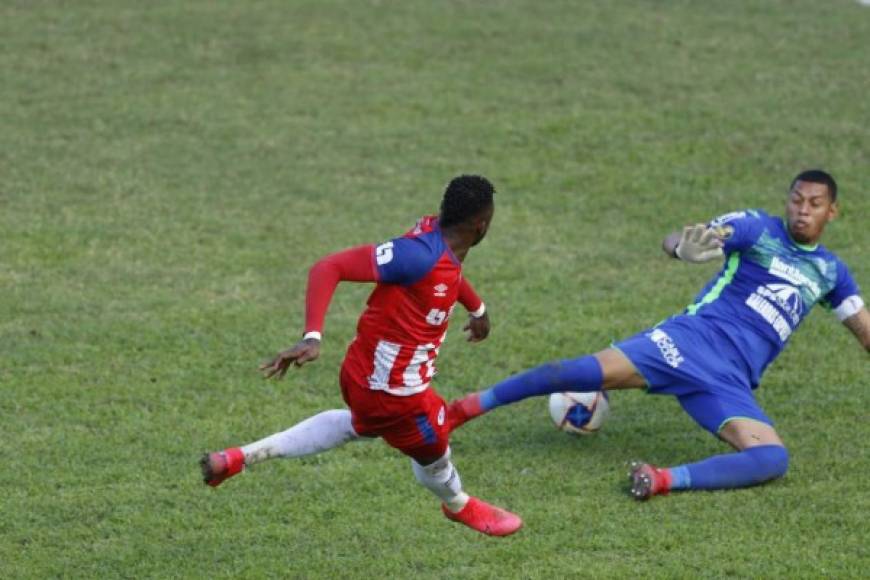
x: 739, y: 229
x: 403, y: 260
x: 845, y: 298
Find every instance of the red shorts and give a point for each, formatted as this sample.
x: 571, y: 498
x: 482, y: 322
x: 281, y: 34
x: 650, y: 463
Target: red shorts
x: 415, y: 425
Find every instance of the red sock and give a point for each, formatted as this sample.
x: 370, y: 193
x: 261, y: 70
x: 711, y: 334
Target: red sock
x: 667, y: 478
x: 462, y: 410
x: 471, y: 406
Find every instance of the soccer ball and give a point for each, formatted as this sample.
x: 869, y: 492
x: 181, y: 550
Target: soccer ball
x: 581, y: 413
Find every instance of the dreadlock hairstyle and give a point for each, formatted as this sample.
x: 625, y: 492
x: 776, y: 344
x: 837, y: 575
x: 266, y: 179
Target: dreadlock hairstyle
x: 817, y: 176
x: 466, y: 197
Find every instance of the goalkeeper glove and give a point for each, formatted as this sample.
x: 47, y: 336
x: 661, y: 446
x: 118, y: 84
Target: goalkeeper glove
x: 698, y: 244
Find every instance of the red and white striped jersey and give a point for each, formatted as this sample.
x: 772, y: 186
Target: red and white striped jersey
x: 405, y: 321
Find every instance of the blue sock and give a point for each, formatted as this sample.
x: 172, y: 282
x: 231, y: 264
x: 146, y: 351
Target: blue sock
x: 748, y: 467
x: 579, y: 374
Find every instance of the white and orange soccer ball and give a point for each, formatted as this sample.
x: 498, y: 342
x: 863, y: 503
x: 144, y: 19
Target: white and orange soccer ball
x: 581, y: 413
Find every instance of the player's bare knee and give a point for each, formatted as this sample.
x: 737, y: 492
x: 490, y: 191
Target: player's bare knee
x: 744, y: 434
x: 617, y: 372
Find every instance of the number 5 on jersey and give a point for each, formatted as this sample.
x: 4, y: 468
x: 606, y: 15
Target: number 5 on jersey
x: 384, y: 253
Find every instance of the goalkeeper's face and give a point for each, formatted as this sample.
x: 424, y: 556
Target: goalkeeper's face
x: 809, y: 209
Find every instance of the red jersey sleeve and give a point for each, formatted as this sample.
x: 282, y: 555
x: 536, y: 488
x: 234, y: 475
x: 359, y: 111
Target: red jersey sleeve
x: 353, y: 265
x: 468, y: 297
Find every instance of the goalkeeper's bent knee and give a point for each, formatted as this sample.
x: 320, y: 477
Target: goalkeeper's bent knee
x: 751, y: 466
x: 772, y: 461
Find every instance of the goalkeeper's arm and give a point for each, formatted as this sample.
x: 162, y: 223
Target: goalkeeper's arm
x: 696, y: 243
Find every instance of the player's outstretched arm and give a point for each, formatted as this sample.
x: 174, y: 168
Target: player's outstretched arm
x: 859, y: 325
x: 697, y: 243
x: 353, y: 265
x: 478, y: 325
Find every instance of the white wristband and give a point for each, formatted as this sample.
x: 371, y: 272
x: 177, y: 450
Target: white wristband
x: 479, y: 312
x: 312, y: 334
x: 849, y: 307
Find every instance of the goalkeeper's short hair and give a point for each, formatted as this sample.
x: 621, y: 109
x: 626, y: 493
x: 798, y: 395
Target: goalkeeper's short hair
x: 817, y: 176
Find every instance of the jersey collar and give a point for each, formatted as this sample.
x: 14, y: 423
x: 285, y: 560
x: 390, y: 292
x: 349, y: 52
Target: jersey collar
x: 804, y: 247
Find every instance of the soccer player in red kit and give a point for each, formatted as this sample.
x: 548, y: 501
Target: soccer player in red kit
x: 387, y: 372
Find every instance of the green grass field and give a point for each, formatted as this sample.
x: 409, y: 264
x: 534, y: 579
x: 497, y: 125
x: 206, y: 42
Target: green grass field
x: 168, y: 172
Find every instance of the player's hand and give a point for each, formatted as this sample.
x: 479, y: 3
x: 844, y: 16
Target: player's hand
x: 699, y: 244
x: 477, y: 328
x: 304, y: 351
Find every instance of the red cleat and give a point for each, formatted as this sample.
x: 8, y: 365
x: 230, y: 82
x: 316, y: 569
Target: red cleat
x: 221, y: 465
x: 485, y: 518
x: 648, y: 480
x: 463, y: 410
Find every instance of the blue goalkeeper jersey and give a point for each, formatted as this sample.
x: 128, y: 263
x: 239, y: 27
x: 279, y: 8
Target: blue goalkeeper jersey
x: 768, y: 285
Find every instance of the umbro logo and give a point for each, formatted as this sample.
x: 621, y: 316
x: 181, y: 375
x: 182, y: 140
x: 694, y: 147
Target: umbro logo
x: 441, y: 290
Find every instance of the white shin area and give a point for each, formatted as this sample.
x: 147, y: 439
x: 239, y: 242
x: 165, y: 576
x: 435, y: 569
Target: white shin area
x: 321, y: 432
x: 442, y: 479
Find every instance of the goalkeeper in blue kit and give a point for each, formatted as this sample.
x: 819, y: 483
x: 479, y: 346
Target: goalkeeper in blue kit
x: 712, y: 356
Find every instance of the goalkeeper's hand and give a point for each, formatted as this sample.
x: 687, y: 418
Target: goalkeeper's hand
x: 698, y: 244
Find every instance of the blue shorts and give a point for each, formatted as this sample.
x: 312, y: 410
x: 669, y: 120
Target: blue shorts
x: 686, y: 357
